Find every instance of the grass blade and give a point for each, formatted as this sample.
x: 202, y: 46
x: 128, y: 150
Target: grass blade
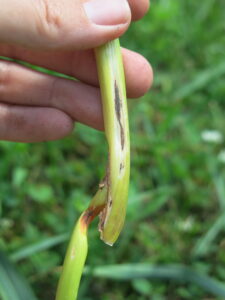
x: 200, y: 81
x: 202, y: 247
x: 38, y: 247
x: 177, y: 272
x: 220, y: 190
x: 12, y: 285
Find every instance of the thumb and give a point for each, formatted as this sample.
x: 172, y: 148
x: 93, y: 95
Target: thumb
x: 57, y: 24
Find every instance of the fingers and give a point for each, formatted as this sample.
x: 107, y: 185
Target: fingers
x: 36, y: 107
x: 138, y: 8
x: 33, y: 124
x: 138, y: 73
x: 82, y: 65
x: 68, y: 24
x: 24, y: 87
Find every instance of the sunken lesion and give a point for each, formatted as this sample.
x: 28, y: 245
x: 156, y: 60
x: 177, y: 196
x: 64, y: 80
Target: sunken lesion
x: 121, y: 166
x: 118, y: 107
x: 90, y: 214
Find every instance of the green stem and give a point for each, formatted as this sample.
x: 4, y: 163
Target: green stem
x: 73, y: 264
x: 77, y: 250
x: 110, y: 200
x: 113, y: 89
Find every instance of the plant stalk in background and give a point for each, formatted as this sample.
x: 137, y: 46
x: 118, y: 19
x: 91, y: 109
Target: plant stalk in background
x: 110, y: 200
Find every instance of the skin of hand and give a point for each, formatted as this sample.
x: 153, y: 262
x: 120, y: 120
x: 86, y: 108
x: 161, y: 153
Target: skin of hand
x: 60, y: 36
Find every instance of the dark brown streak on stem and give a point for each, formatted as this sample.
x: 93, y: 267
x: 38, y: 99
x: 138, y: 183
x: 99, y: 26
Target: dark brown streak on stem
x: 90, y: 214
x: 121, y: 166
x: 118, y: 113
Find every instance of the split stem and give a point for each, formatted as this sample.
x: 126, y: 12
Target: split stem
x: 110, y: 200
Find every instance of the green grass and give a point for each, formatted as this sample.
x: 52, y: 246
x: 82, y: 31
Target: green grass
x: 176, y: 211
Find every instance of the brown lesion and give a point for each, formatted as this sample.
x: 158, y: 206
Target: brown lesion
x: 121, y: 166
x: 101, y: 185
x: 118, y: 113
x: 90, y: 214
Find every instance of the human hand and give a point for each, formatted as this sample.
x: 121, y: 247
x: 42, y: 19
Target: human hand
x: 58, y: 35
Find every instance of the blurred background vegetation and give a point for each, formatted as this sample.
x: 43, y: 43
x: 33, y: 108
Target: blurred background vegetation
x: 174, y: 238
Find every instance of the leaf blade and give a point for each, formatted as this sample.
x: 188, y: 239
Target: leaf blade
x: 12, y: 285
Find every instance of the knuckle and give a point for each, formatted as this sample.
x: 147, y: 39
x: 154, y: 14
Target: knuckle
x: 5, y: 117
x: 5, y: 77
x: 53, y: 91
x: 50, y: 21
x: 13, y: 123
x: 10, y: 118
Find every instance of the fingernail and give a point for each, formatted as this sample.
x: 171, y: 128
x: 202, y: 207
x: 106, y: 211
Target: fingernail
x: 107, y: 12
